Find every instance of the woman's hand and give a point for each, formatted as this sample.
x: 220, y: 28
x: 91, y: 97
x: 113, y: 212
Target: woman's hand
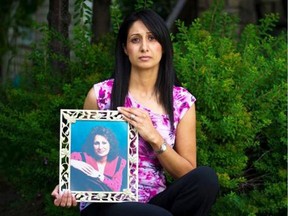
x: 140, y: 119
x: 65, y: 199
x: 85, y: 168
x: 178, y: 160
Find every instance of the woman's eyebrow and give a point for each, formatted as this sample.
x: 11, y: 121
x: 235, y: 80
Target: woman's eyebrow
x: 138, y: 34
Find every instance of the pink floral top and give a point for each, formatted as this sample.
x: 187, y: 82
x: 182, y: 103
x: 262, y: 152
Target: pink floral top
x: 151, y: 175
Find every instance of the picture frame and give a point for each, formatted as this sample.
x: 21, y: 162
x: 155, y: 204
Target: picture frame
x: 91, y: 171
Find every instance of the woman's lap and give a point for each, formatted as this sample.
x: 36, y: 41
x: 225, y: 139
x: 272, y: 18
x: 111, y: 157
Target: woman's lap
x: 192, y: 194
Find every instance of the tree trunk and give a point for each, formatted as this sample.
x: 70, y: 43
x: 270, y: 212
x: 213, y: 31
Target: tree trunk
x: 100, y: 19
x: 185, y: 11
x: 175, y: 13
x: 59, y: 20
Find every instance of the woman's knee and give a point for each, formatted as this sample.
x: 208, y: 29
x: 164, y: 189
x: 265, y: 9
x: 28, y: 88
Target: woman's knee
x: 207, y: 181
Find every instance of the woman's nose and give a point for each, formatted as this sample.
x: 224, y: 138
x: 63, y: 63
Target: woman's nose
x: 144, y: 46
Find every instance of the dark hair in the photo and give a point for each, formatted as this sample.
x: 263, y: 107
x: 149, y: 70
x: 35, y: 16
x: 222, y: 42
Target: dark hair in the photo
x: 166, y: 75
x: 88, y: 146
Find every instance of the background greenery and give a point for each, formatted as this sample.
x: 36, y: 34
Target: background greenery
x: 239, y: 80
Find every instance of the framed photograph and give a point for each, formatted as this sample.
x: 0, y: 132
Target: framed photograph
x: 98, y: 156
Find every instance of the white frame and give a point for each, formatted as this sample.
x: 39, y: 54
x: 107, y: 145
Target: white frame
x: 69, y: 117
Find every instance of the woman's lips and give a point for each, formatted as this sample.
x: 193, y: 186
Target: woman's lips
x: 144, y: 58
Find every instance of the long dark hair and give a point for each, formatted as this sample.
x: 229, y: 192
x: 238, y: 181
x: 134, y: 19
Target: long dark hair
x: 88, y: 146
x: 166, y: 74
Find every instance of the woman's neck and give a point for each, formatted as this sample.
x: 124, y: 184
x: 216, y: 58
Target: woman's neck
x: 143, y: 82
x: 102, y: 160
x: 142, y: 89
x: 101, y: 166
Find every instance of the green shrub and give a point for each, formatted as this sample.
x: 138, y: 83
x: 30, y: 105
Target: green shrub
x: 30, y: 113
x: 240, y: 85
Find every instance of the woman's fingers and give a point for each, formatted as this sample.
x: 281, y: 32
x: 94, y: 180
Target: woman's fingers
x: 65, y: 200
x: 69, y: 199
x: 57, y: 202
x: 141, y: 120
x: 87, y: 169
x: 83, y: 166
x: 56, y: 195
x: 74, y: 202
x: 133, y: 115
x: 55, y: 192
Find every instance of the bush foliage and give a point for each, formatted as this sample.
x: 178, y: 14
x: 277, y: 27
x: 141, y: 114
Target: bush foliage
x: 239, y: 80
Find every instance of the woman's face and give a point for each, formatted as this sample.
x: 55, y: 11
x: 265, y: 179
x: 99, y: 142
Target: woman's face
x: 101, y: 146
x: 142, y: 49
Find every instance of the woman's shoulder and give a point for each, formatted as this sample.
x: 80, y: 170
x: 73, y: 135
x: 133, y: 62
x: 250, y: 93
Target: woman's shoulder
x: 105, y: 84
x: 182, y: 94
x: 79, y: 155
x: 75, y: 155
x: 123, y: 161
x: 103, y: 93
x: 119, y: 159
x: 182, y: 100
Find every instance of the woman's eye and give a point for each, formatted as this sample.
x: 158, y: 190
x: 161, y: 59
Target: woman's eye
x: 151, y: 38
x: 135, y: 40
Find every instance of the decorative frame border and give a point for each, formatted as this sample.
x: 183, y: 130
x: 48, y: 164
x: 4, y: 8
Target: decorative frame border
x: 69, y: 117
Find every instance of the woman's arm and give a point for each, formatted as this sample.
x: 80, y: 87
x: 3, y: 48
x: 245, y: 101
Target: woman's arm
x: 178, y: 161
x: 90, y: 102
x: 85, y: 168
x: 184, y: 158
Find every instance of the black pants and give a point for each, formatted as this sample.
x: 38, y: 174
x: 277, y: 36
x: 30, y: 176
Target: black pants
x: 192, y: 194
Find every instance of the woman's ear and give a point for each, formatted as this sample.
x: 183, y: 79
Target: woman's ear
x: 124, y: 48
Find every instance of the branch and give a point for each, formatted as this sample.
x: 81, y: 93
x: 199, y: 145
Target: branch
x: 175, y: 13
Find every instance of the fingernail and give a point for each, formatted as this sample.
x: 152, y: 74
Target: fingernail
x: 119, y: 108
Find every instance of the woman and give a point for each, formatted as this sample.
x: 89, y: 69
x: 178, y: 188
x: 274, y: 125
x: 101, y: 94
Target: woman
x: 145, y: 90
x: 99, y: 164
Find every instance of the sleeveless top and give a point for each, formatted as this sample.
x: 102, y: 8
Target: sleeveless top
x: 151, y: 178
